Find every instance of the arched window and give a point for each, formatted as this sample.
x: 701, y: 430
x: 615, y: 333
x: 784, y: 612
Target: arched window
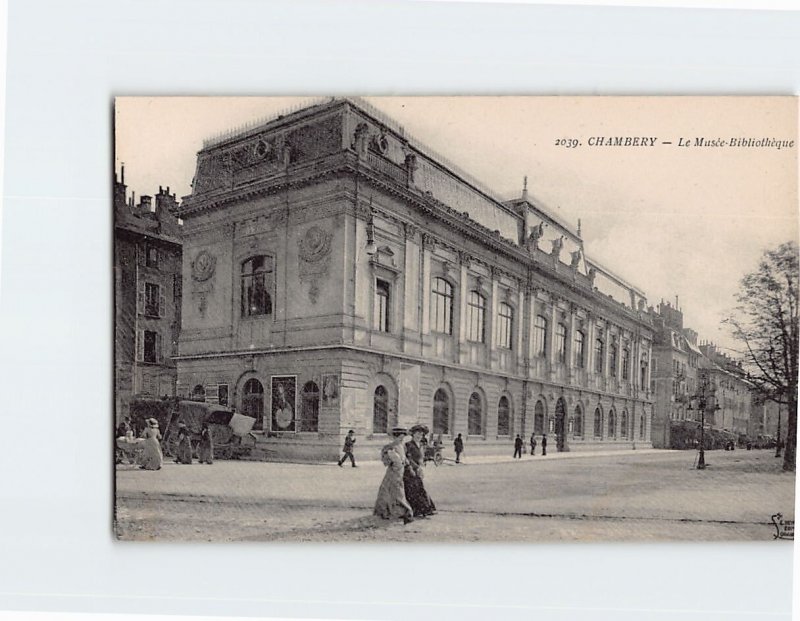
x: 503, y: 417
x: 442, y: 306
x: 441, y: 412
x: 309, y: 414
x: 579, y: 344
x: 198, y: 393
x: 561, y: 343
x: 612, y: 423
x: 626, y: 363
x: 476, y: 311
x: 475, y: 415
x: 538, y: 418
x: 623, y: 424
x: 599, y: 355
x: 612, y: 360
x: 577, y: 430
x: 253, y: 401
x: 256, y: 285
x: 642, y: 426
x: 598, y: 423
x: 380, y: 410
x: 505, y: 325
x: 540, y: 336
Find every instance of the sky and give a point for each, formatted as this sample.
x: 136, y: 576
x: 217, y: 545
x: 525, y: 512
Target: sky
x: 671, y: 220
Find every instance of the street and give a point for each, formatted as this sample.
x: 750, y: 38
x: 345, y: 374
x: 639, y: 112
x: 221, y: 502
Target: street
x: 614, y: 496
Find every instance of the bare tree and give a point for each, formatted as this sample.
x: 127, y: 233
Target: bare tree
x: 766, y: 322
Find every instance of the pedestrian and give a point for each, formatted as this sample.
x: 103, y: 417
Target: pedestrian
x: 123, y: 428
x: 391, y: 501
x: 458, y: 445
x: 417, y: 496
x: 205, y: 452
x: 533, y: 444
x: 152, y: 457
x: 544, y: 445
x: 349, y: 441
x: 518, y: 447
x: 184, y: 445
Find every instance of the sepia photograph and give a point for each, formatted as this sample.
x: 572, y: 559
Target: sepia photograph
x: 455, y: 319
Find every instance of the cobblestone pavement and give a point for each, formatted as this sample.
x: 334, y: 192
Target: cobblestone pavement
x: 614, y: 496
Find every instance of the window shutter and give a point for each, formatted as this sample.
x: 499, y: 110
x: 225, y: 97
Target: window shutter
x: 159, y: 354
x: 162, y: 301
x: 140, y: 297
x: 139, y: 345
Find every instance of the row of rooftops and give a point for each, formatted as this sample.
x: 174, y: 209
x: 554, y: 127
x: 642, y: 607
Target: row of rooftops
x: 153, y: 218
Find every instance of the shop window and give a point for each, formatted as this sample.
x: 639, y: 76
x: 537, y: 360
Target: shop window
x: 253, y: 401
x: 309, y: 414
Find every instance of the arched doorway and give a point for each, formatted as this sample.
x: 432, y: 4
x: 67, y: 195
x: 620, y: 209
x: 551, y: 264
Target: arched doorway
x: 380, y: 410
x: 441, y: 412
x: 561, y: 411
x: 253, y: 401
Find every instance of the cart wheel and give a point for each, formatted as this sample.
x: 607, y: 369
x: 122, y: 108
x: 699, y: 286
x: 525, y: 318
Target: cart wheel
x: 438, y: 459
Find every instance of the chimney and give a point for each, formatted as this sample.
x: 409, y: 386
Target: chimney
x: 146, y: 203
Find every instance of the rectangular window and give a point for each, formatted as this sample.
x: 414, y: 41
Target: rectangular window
x: 540, y: 337
x: 151, y: 342
x: 223, y: 394
x: 505, y: 321
x: 561, y: 343
x: 152, y: 295
x: 599, y: 354
x: 151, y: 256
x: 476, y: 308
x: 382, y: 298
x: 442, y: 302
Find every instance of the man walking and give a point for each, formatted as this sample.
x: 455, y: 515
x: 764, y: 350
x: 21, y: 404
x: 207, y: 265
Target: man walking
x: 349, y: 441
x: 533, y: 444
x: 518, y: 447
x: 458, y: 445
x: 544, y: 445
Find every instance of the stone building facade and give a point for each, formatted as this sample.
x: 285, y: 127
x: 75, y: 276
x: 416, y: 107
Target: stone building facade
x: 732, y: 392
x: 147, y: 295
x: 674, y: 375
x: 339, y: 275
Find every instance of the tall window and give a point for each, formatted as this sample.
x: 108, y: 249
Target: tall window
x: 598, y: 423
x: 151, y: 256
x: 505, y: 325
x: 503, y: 417
x: 476, y: 310
x: 309, y: 414
x: 538, y: 418
x: 151, y: 346
x: 441, y: 412
x: 579, y: 346
x: 256, y: 284
x: 612, y: 360
x: 626, y: 363
x: 442, y: 302
x: 540, y: 336
x: 380, y: 410
x: 382, y: 289
x: 475, y: 415
x: 623, y: 424
x: 642, y: 426
x: 643, y: 374
x: 561, y: 343
x: 253, y: 401
x: 599, y: 351
x: 577, y: 430
x: 612, y: 423
x: 152, y: 297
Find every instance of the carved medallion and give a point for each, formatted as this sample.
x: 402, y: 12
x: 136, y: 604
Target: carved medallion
x: 203, y: 266
x: 315, y: 245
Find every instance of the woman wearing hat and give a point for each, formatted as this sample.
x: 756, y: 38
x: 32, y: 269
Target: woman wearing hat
x: 391, y: 502
x: 184, y: 455
x: 417, y: 497
x: 151, y: 455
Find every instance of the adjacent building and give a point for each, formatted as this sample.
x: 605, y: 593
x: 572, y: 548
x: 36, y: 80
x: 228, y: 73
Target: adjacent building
x: 147, y: 295
x: 732, y: 392
x: 338, y: 274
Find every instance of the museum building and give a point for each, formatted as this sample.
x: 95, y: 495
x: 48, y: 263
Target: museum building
x: 339, y: 275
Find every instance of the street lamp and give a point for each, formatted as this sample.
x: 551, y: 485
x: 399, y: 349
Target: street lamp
x: 702, y: 405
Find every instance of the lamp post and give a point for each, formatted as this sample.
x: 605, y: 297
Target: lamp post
x: 702, y: 405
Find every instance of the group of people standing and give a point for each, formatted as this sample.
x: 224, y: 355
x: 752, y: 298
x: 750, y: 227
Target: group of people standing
x: 519, y: 445
x: 205, y: 448
x: 151, y: 456
x: 402, y: 492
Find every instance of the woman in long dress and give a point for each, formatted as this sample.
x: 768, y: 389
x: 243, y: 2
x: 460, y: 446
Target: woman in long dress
x: 416, y: 494
x: 184, y: 445
x: 205, y: 452
x: 391, y: 502
x: 152, y: 457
